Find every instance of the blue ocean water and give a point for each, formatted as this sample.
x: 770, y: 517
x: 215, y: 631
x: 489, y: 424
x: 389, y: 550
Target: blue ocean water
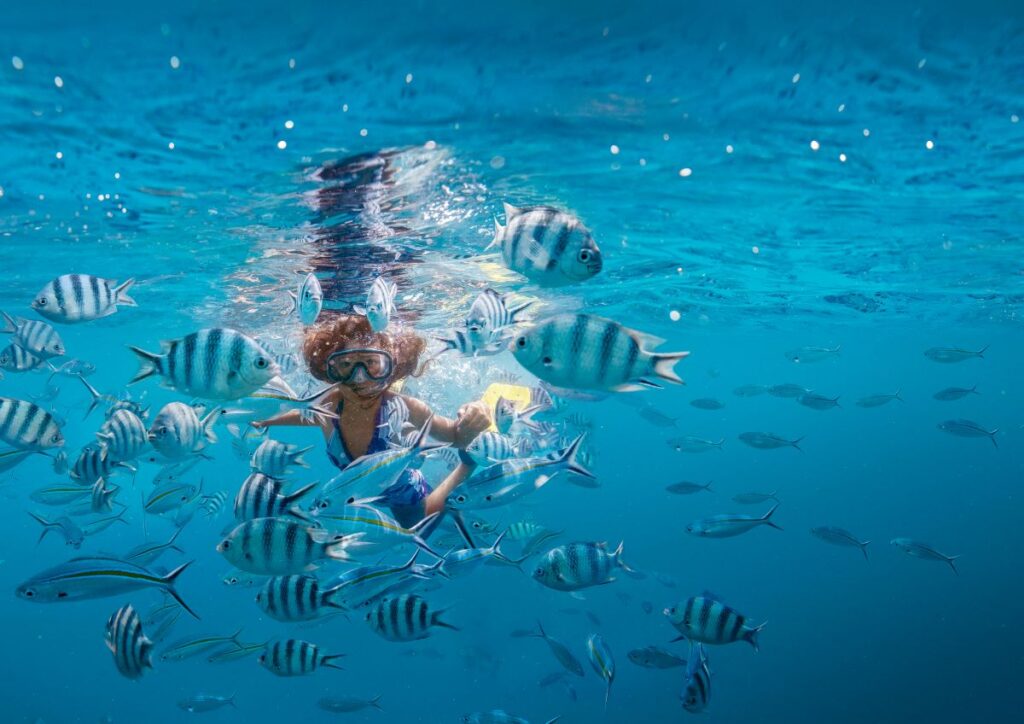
x: 760, y: 179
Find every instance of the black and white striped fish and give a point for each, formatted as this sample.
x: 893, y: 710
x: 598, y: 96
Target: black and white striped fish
x: 38, y: 338
x: 466, y: 344
x: 260, y: 497
x: 287, y: 363
x: 102, y: 498
x: 705, y: 619
x: 292, y: 657
x: 575, y: 566
x: 404, y: 618
x: 395, y: 415
x: 14, y: 359
x: 309, y: 300
x: 506, y: 415
x: 273, y: 458
x: 548, y: 246
x: 584, y: 351
x: 492, y: 447
x: 295, y: 598
x: 212, y: 504
x: 177, y: 431
x: 131, y: 649
x: 92, y: 464
x: 491, y: 312
x: 72, y: 298
x: 697, y: 687
x: 123, y: 436
x: 380, y: 304
x: 218, y: 364
x: 275, y: 546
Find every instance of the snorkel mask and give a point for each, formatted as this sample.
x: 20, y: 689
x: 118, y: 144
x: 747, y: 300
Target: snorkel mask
x: 355, y: 366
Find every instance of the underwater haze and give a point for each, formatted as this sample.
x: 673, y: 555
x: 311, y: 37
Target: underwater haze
x: 822, y: 203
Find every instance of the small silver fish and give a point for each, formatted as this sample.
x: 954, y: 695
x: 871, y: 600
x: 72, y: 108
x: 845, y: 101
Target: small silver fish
x: 309, y: 300
x: 655, y: 657
x: 951, y: 355
x: 688, y: 444
x: 818, y: 402
x: 812, y: 354
x: 768, y: 440
x: 840, y: 537
x: 754, y: 498
x: 968, y: 428
x: 924, y: 551
x: 879, y: 400
x: 955, y: 393
x: 685, y: 487
x: 707, y: 403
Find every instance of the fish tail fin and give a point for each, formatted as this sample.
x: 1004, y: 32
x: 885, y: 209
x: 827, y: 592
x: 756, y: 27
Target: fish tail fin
x: 295, y: 303
x: 235, y: 641
x: 664, y: 363
x: 121, y: 294
x: 298, y: 494
x: 435, y: 620
x: 767, y: 517
x: 992, y: 437
x: 499, y: 230
x: 10, y: 325
x: 519, y: 309
x: 206, y: 424
x: 951, y: 560
x: 864, y: 549
x: 338, y: 549
x: 328, y: 661
x: 149, y: 364
x: 607, y: 693
x: 495, y: 547
x: 897, y: 395
x: 47, y: 526
x: 751, y: 635
x: 95, y: 394
x: 569, y: 457
x: 796, y: 443
x: 297, y: 457
x: 375, y: 702
x: 231, y: 699
x: 168, y: 583
x: 980, y: 353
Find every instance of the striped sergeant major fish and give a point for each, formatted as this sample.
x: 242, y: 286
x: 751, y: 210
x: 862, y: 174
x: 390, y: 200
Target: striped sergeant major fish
x: 14, y: 359
x: 92, y: 464
x: 492, y: 447
x: 97, y: 577
x: 705, y: 619
x: 504, y: 482
x: 375, y: 530
x: 295, y: 598
x: 260, y: 497
x: 729, y: 525
x: 216, y: 364
x: 73, y: 298
x: 123, y: 436
x: 548, y: 246
x: 575, y: 566
x: 584, y: 351
x: 840, y: 537
x: 102, y: 496
x: 697, y: 686
x: 244, y: 442
x: 133, y: 652
x: 601, y: 659
x: 273, y: 458
x: 380, y: 304
x: 395, y: 414
x: 293, y: 657
x: 212, y: 504
x: 177, y: 431
x: 37, y: 338
x: 469, y: 345
x: 407, y: 617
x: 275, y: 546
x: 506, y: 415
x: 373, y: 473
x: 924, y: 551
x: 491, y: 312
x: 27, y: 426
x: 308, y: 301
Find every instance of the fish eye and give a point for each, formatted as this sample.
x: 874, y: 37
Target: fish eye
x: 248, y: 556
x: 521, y: 342
x: 261, y: 363
x: 29, y: 593
x: 224, y: 545
x: 584, y: 255
x: 55, y: 438
x: 41, y: 301
x: 460, y: 499
x: 62, y: 594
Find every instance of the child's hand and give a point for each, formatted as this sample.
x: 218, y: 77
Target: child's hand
x: 472, y: 420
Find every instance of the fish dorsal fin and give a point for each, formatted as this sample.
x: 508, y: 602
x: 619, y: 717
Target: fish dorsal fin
x: 510, y: 211
x: 712, y: 595
x: 645, y: 340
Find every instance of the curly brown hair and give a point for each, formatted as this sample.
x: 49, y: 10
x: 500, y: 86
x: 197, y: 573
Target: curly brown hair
x: 342, y: 331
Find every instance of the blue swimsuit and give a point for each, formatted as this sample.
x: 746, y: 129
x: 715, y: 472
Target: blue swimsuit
x: 406, y: 497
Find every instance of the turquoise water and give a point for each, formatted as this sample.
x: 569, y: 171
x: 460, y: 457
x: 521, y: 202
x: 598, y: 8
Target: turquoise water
x: 759, y: 180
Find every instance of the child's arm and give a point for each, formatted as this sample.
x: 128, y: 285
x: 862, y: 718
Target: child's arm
x: 472, y: 420
x: 439, y: 495
x: 292, y: 418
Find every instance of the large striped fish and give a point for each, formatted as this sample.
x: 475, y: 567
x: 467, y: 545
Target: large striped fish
x: 96, y: 577
x: 37, y: 338
x: 123, y: 436
x: 177, y: 431
x: 309, y: 300
x: 274, y: 546
x: 261, y: 497
x: 14, y: 359
x: 380, y: 304
x: 72, y: 298
x: 579, y: 565
x: 27, y: 426
x: 296, y: 598
x: 407, y: 617
x: 132, y: 651
x: 584, y: 351
x: 707, y: 620
x: 548, y: 246
x: 93, y: 463
x: 217, y: 364
x: 292, y: 657
x: 697, y: 687
x: 274, y: 458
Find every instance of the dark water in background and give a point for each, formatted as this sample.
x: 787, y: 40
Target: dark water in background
x: 897, y: 249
